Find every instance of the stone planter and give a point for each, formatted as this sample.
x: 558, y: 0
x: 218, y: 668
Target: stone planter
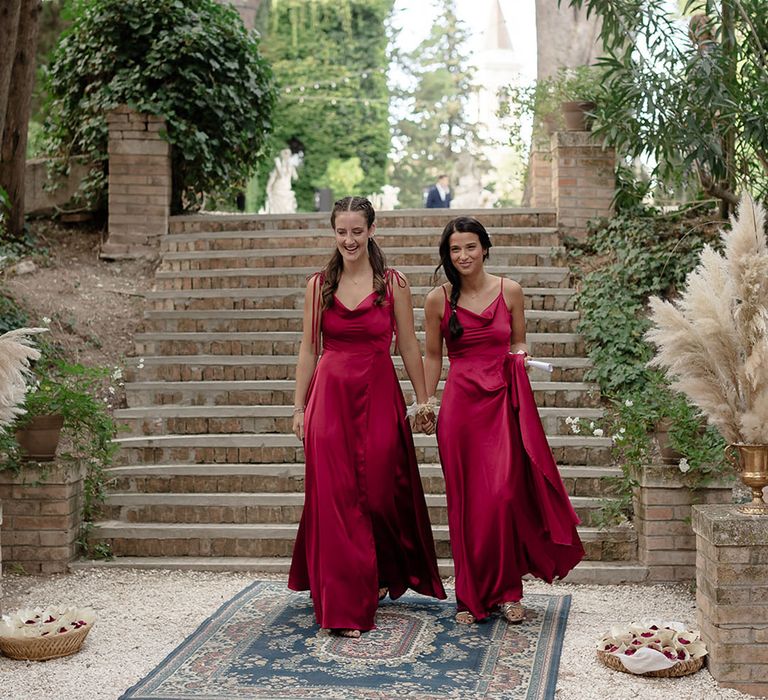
x: 42, y: 516
x: 39, y: 439
x: 662, y: 503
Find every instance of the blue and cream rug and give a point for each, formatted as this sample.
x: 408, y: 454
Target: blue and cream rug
x: 264, y: 643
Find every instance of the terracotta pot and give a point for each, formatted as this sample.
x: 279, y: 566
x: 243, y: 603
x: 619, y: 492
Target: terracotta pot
x: 40, y: 438
x: 575, y: 115
x: 752, y: 463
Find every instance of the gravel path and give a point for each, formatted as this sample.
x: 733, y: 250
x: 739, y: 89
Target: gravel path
x: 144, y: 615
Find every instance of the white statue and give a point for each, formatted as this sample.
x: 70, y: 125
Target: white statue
x: 280, y: 196
x: 386, y: 199
x: 468, y: 192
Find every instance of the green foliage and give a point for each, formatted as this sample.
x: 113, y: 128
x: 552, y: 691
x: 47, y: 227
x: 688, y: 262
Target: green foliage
x: 688, y: 100
x: 330, y: 60
x: 191, y: 61
x: 342, y: 175
x: 434, y: 127
x: 12, y: 316
x: 80, y: 395
x: 621, y: 264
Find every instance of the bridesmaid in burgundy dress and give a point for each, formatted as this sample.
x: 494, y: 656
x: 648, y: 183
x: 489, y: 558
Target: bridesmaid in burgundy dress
x: 365, y: 530
x: 508, y: 511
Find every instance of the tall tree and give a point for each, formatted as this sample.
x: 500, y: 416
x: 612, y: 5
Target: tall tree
x: 434, y: 126
x: 9, y: 27
x: 13, y: 149
x: 566, y: 37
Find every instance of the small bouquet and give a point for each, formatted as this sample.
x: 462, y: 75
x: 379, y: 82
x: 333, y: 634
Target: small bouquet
x: 40, y: 634
x: 662, y: 649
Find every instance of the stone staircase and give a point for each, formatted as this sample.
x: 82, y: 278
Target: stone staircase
x: 210, y: 475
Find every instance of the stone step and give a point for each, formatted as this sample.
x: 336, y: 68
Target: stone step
x: 540, y: 298
x: 285, y: 447
x: 254, y: 367
x: 185, y: 420
x: 249, y: 320
x: 276, y: 540
x: 400, y: 218
x: 273, y: 478
x: 288, y: 342
x: 255, y: 508
x: 280, y: 392
x: 586, y: 572
x: 418, y: 275
x: 323, y: 238
x: 399, y: 256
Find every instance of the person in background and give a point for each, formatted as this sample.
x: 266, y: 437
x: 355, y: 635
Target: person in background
x: 439, y: 195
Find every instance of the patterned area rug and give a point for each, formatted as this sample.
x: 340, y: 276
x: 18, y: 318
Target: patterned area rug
x: 264, y: 643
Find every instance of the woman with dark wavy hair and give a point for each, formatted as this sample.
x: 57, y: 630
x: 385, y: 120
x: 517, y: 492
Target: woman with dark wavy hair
x: 365, y: 530
x: 508, y: 511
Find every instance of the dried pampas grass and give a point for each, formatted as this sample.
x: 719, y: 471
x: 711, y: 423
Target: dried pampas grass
x: 16, y: 352
x: 713, y: 341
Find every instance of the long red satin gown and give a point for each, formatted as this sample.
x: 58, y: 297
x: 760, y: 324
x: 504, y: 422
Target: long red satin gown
x: 365, y: 522
x: 508, y: 511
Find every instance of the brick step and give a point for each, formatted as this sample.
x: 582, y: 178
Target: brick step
x: 285, y: 447
x: 400, y: 218
x: 586, y: 572
x: 418, y: 275
x: 542, y: 298
x: 323, y: 238
x: 400, y: 256
x: 280, y: 392
x: 276, y: 540
x: 288, y: 342
x: 273, y: 478
x: 255, y: 508
x: 255, y: 367
x: 185, y: 420
x: 249, y: 320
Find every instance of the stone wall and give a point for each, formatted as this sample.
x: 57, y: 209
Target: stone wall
x: 42, y: 509
x: 37, y: 199
x: 139, y: 184
x: 732, y: 595
x: 662, y: 500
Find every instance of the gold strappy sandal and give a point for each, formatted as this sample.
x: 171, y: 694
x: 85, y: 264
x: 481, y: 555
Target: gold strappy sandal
x: 464, y: 617
x: 513, y: 612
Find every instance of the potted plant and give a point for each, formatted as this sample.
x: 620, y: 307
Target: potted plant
x: 713, y: 344
x: 578, y: 89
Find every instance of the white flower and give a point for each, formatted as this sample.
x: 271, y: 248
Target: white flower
x: 117, y: 374
x: 576, y: 428
x: 111, y: 390
x: 592, y: 425
x: 616, y: 437
x: 622, y: 430
x: 629, y: 403
x: 569, y: 420
x: 46, y: 321
x: 683, y: 465
x: 597, y: 432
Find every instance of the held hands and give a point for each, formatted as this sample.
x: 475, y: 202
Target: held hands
x: 423, y: 416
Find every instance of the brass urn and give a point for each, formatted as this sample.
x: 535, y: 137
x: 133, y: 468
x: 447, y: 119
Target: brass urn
x: 752, y: 463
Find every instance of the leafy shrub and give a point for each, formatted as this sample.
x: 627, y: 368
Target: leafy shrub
x: 192, y: 62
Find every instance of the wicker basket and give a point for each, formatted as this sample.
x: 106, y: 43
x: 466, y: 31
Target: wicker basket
x: 43, y: 648
x: 681, y: 668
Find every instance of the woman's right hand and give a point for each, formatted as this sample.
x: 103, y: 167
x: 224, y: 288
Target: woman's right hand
x: 298, y: 425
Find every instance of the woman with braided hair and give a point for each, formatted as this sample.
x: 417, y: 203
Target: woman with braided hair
x: 365, y: 530
x: 508, y: 511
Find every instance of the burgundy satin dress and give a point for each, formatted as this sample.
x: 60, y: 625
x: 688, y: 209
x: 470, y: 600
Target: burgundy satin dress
x: 365, y: 521
x: 508, y: 511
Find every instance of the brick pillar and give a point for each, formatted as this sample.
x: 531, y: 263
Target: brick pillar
x: 43, y: 515
x: 541, y: 175
x: 662, y: 503
x: 139, y: 184
x: 583, y: 180
x: 732, y: 595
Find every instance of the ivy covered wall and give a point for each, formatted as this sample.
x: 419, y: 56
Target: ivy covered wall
x: 330, y: 61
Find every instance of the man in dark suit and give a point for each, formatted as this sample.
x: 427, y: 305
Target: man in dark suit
x: 439, y: 196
